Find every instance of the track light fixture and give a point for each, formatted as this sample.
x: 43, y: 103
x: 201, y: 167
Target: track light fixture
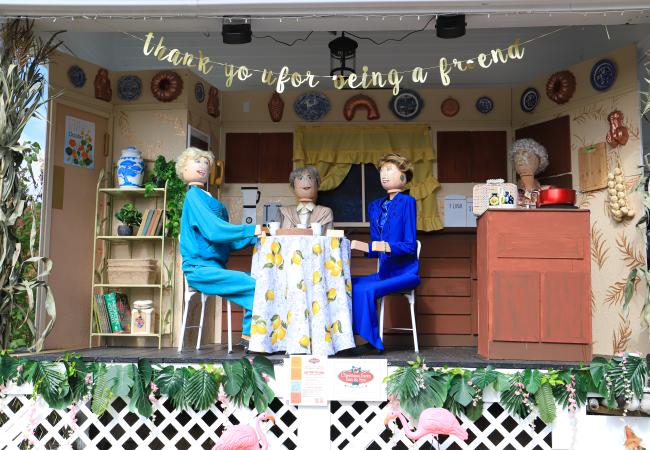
x: 450, y: 26
x: 236, y: 30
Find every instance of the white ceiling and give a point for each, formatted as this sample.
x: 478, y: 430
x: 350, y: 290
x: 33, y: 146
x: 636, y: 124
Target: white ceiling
x: 122, y: 51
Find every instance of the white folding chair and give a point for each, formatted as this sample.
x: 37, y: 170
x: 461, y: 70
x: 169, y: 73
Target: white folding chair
x: 410, y: 296
x: 188, y: 293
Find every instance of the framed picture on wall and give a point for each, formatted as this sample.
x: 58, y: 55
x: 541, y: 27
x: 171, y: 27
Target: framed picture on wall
x: 197, y: 138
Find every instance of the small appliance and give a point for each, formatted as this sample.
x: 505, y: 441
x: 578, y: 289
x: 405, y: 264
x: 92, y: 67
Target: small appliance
x: 271, y: 212
x: 556, y: 196
x: 251, y: 196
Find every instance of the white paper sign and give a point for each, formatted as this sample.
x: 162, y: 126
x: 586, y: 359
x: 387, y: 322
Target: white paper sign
x: 308, y: 378
x: 358, y: 379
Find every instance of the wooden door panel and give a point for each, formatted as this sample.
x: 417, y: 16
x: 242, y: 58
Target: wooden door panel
x: 242, y: 157
x: 565, y: 321
x: 71, y: 232
x: 276, y: 157
x: 489, y: 155
x: 516, y: 306
x: 454, y: 156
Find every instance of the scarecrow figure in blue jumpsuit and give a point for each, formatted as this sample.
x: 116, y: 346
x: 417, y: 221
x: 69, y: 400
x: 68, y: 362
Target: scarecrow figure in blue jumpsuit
x: 392, y: 232
x: 207, y: 238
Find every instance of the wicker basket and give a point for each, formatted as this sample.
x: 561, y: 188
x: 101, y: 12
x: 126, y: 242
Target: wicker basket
x: 131, y: 275
x: 482, y: 193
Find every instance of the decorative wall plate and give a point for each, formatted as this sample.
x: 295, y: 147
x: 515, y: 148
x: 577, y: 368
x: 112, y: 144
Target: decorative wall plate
x: 311, y: 106
x: 450, y: 107
x: 603, y: 75
x: 529, y: 99
x: 199, y: 92
x: 484, y: 104
x: 406, y: 105
x: 129, y: 87
x: 77, y: 76
x: 166, y: 86
x: 561, y: 86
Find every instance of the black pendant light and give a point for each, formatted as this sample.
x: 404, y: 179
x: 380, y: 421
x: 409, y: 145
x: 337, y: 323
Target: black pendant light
x: 451, y: 26
x: 343, y: 52
x: 236, y: 31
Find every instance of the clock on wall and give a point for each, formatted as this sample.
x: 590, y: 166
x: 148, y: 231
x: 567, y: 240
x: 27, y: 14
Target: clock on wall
x: 406, y: 105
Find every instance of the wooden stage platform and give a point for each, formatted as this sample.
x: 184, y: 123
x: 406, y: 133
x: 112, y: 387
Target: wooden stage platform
x: 216, y: 353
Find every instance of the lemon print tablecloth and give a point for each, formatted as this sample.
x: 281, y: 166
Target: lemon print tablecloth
x: 303, y: 300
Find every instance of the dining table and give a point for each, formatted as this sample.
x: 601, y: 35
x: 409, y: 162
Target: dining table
x: 303, y: 295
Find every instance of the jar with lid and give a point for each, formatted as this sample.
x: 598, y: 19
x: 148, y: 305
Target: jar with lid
x: 142, y: 317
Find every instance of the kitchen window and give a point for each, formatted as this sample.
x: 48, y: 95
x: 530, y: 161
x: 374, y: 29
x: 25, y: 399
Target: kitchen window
x: 349, y: 201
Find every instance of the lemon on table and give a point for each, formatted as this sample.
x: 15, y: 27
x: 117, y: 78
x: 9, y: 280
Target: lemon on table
x: 282, y: 333
x: 276, y: 321
x: 275, y: 247
x: 261, y: 328
x: 278, y: 260
x: 316, y: 277
x: 328, y: 337
x: 304, y: 342
x: 336, y: 326
x: 348, y: 287
x: 274, y: 338
x: 315, y: 307
x: 289, y: 318
x: 329, y: 264
x: 331, y: 294
x: 254, y: 329
x: 316, y: 249
x: 297, y: 257
x: 335, y: 242
x: 270, y: 296
x: 270, y: 258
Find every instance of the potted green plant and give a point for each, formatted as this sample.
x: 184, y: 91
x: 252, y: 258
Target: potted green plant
x: 130, y: 217
x: 164, y: 174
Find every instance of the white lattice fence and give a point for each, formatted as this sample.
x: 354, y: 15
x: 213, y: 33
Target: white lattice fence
x: 360, y: 425
x: 119, y: 428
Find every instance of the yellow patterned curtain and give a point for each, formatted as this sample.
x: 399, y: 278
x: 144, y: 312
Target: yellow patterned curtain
x: 333, y: 150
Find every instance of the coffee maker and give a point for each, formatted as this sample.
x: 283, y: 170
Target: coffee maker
x: 251, y: 196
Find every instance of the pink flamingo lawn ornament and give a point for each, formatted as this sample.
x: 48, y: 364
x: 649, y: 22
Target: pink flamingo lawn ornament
x: 244, y: 437
x: 432, y: 421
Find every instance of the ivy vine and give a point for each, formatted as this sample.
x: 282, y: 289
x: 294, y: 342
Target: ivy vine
x: 618, y: 380
x: 69, y: 380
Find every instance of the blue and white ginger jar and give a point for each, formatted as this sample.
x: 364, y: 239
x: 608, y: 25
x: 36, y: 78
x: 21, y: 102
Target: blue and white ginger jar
x: 130, y: 168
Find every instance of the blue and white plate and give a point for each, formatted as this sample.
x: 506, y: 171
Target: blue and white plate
x: 311, y: 106
x: 129, y: 87
x: 406, y: 105
x: 529, y: 99
x: 603, y: 75
x: 199, y: 92
x: 484, y: 104
x: 77, y: 76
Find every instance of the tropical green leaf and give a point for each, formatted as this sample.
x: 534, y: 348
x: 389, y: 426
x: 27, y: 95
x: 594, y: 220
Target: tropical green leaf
x: 51, y: 382
x: 234, y: 379
x: 121, y: 377
x: 502, y: 382
x: 483, y: 377
x: 403, y: 383
x: 532, y: 380
x: 474, y: 413
x: 202, y: 390
x: 102, y: 393
x: 263, y: 364
x: 598, y: 368
x: 545, y: 403
x: 8, y: 366
x: 460, y: 391
x: 140, y: 390
x: 628, y: 292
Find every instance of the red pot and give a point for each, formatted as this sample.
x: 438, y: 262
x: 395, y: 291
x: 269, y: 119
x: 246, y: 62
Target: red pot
x: 556, y: 196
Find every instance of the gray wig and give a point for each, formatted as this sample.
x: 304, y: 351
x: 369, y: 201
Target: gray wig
x: 309, y: 170
x: 530, y: 145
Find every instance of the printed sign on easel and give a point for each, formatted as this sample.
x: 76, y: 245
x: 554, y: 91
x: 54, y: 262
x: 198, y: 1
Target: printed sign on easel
x: 79, y: 145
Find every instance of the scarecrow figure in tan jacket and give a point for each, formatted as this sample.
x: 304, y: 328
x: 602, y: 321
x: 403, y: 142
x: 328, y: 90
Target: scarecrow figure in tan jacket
x: 305, y: 182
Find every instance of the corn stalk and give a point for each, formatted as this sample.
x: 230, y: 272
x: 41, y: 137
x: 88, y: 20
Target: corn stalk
x: 22, y: 92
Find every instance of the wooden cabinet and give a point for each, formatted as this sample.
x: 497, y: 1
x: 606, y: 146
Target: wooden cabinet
x: 534, y: 278
x: 259, y: 157
x: 471, y: 156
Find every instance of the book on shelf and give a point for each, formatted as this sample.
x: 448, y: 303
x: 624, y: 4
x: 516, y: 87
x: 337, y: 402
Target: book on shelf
x: 146, y: 217
x: 159, y: 228
x: 98, y: 323
x: 102, y: 314
x: 154, y: 222
x: 123, y: 310
x: 113, y: 312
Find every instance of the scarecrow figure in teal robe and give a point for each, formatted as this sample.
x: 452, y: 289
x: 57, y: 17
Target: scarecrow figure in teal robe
x: 207, y: 238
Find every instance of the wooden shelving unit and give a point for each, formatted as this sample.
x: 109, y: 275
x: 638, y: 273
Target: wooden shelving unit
x: 156, y: 245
